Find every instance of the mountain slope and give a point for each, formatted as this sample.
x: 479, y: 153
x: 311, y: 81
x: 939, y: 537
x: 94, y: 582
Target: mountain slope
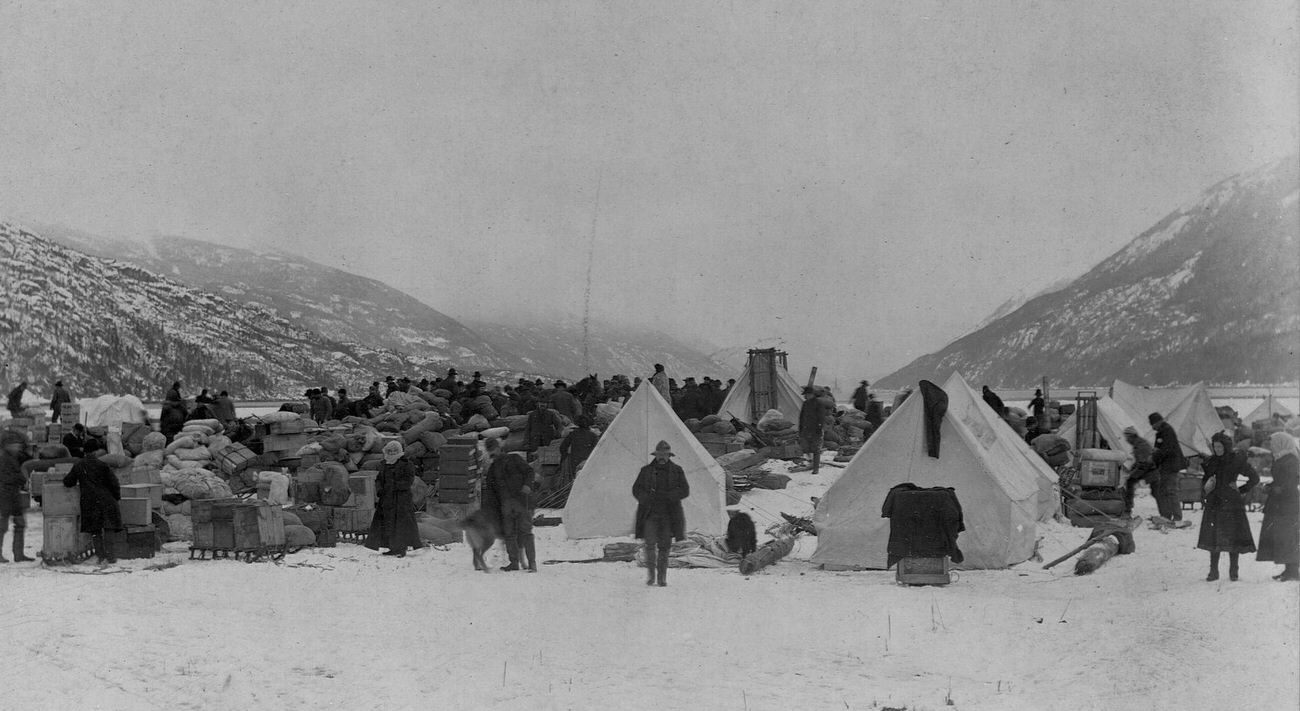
x: 107, y: 326
x: 334, y: 303
x: 557, y: 348
x: 1208, y: 293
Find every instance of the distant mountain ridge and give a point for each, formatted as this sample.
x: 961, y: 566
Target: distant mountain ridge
x: 1209, y: 293
x: 340, y: 328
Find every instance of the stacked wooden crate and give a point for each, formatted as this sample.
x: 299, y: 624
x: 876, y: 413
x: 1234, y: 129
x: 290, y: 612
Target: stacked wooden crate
x: 61, y: 508
x: 69, y: 414
x: 457, y: 471
x: 243, y: 528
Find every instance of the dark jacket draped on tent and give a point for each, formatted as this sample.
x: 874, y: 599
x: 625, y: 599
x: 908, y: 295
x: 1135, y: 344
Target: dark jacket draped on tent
x: 923, y: 523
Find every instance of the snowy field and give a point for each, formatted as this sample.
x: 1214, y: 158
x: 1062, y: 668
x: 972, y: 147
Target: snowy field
x: 345, y: 628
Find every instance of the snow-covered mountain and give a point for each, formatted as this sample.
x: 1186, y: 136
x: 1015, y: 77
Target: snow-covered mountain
x: 259, y: 324
x: 1209, y: 293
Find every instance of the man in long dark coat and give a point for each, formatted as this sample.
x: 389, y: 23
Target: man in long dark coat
x: 659, y: 489
x: 1169, y: 460
x: 13, y: 449
x: 507, y: 495
x: 61, y: 397
x: 100, y: 492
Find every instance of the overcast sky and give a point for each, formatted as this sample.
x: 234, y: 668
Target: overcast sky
x: 865, y: 181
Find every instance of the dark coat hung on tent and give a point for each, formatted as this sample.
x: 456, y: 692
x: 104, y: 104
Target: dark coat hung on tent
x: 923, y: 523
x: 1224, y: 527
x: 100, y: 492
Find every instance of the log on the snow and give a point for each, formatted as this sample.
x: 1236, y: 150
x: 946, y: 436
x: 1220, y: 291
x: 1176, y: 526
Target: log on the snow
x: 767, y: 554
x: 1096, y: 555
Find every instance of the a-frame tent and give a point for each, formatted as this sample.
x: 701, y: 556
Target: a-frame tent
x: 600, y: 503
x: 1111, y: 421
x: 998, y: 490
x: 1188, y: 409
x: 1265, y: 411
x: 789, y: 396
x: 997, y: 436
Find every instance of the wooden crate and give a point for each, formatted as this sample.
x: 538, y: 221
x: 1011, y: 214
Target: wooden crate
x: 447, y: 482
x: 288, y: 427
x: 456, y: 453
x: 204, y: 536
x: 348, y: 519
x: 59, y: 500
x: 234, y: 458
x: 455, y: 496
x: 270, y: 525
x: 152, y: 492
x: 284, y: 443
x: 923, y: 571
x: 306, y: 493
x: 135, y: 512
x: 223, y: 536
x: 63, y: 539
x: 549, y: 454
x: 206, y: 510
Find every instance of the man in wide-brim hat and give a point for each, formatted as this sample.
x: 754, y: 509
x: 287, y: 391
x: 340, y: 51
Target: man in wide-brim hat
x: 659, y: 489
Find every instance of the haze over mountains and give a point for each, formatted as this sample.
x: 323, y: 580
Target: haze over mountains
x: 1209, y: 293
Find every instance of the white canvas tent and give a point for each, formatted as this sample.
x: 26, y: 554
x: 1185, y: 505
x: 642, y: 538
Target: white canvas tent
x: 997, y: 485
x: 1111, y: 421
x: 601, y: 504
x: 112, y: 410
x: 789, y: 396
x: 1188, y: 409
x: 1265, y: 411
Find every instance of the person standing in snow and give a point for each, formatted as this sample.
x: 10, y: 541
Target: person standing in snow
x: 1143, y: 468
x: 507, y: 496
x: 393, y: 525
x: 13, y: 451
x: 995, y: 402
x: 1038, y: 409
x: 16, y: 399
x: 1279, y: 536
x: 1223, y: 522
x: 61, y: 397
x: 860, y: 397
x: 100, y: 492
x: 1169, y: 460
x: 812, y: 424
x: 659, y: 489
x: 660, y: 382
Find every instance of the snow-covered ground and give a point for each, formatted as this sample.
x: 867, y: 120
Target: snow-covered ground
x: 345, y: 628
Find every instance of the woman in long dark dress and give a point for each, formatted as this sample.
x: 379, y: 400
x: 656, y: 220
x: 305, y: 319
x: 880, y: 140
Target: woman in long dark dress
x: 1279, y: 537
x: 1223, y: 524
x: 393, y: 526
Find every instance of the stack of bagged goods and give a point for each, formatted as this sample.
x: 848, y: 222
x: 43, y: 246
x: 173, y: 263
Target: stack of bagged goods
x: 717, y: 435
x: 782, y: 433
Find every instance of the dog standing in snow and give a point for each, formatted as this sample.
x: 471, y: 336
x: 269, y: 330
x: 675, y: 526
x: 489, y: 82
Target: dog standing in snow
x: 480, y: 533
x: 742, y: 538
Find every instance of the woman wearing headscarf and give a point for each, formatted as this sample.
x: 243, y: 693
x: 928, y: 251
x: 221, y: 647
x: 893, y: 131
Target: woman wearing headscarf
x: 393, y: 526
x: 1279, y: 537
x: 1223, y: 524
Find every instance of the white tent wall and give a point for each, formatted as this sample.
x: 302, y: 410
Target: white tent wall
x: 1111, y: 421
x: 789, y: 397
x: 1266, y: 410
x: 601, y: 504
x: 1007, y: 449
x: 999, y: 511
x: 111, y: 410
x: 1188, y: 409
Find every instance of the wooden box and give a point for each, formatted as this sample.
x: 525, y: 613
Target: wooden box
x: 306, y: 492
x: 204, y: 536
x: 288, y: 427
x: 549, y: 454
x: 284, y: 443
x: 270, y: 525
x: 1098, y: 473
x: 457, y: 468
x: 69, y: 412
x: 463, y: 441
x: 352, y: 520
x: 206, y: 510
x: 454, y: 496
x: 152, y: 492
x: 1189, y: 490
x: 59, y: 500
x: 448, y: 482
x: 923, y: 571
x: 135, y: 512
x: 456, y: 453
x: 234, y: 458
x: 138, y: 542
x: 63, y: 537
x: 223, y: 535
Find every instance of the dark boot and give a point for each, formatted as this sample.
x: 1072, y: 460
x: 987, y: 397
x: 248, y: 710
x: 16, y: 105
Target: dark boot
x: 20, y: 534
x: 1232, y: 566
x: 97, y: 542
x: 663, y: 568
x: 1290, y: 572
x: 512, y: 550
x: 650, y: 563
x: 530, y: 552
x: 1214, y: 567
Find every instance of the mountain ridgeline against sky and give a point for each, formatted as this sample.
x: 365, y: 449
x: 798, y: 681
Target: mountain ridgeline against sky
x: 1209, y: 293
x: 126, y: 316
